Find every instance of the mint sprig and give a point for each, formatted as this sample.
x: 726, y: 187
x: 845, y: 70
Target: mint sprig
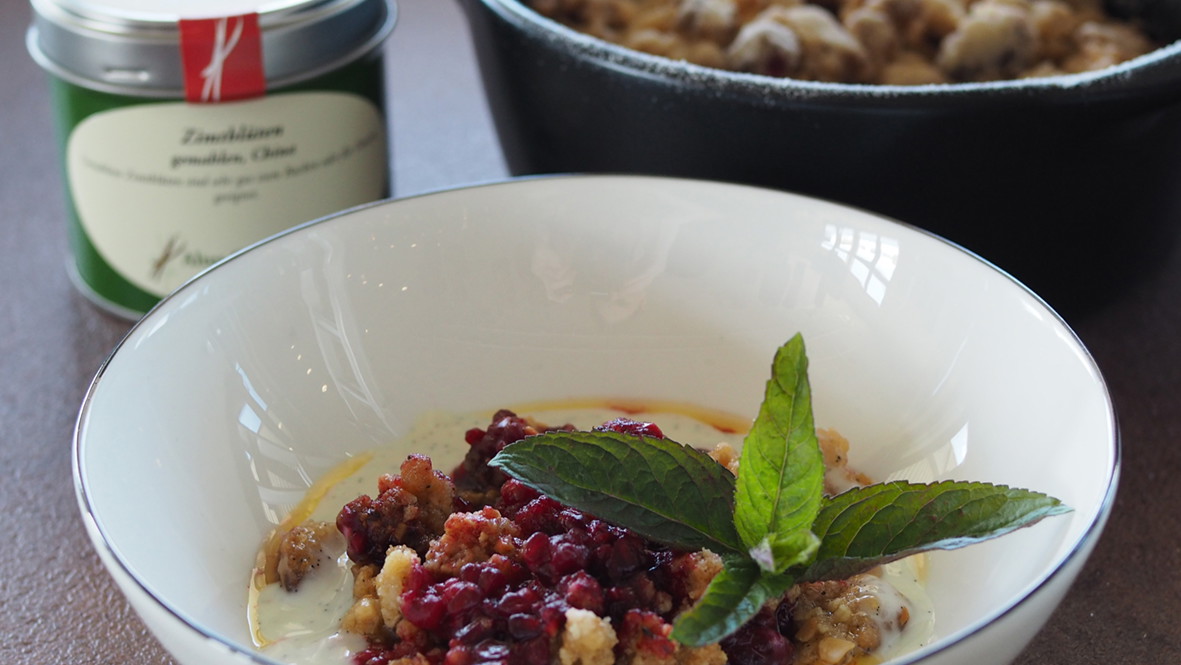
x: 782, y: 480
x: 773, y: 525
x: 733, y: 597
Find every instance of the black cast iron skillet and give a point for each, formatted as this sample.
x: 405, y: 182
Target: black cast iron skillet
x: 1071, y: 183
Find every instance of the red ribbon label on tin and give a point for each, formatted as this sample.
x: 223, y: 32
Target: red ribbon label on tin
x: 222, y: 58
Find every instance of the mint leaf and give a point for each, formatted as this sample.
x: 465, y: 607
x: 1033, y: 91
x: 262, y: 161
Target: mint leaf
x: 773, y: 525
x: 868, y: 526
x: 662, y: 490
x: 781, y: 471
x: 733, y: 597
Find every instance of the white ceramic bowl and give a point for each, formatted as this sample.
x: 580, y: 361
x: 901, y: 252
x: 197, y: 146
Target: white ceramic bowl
x: 221, y: 406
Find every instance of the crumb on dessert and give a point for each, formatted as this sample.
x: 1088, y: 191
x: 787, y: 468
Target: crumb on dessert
x: 302, y: 549
x: 587, y: 639
x: 391, y: 580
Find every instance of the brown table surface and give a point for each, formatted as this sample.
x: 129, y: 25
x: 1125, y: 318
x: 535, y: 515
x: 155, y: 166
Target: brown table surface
x: 57, y: 605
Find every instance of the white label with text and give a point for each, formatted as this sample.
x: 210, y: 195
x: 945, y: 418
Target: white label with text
x: 165, y: 190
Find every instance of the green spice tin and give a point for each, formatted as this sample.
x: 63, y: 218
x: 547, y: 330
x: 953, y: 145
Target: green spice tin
x: 189, y: 130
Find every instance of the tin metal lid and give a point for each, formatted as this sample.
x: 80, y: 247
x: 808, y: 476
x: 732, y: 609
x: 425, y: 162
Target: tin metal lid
x: 132, y: 46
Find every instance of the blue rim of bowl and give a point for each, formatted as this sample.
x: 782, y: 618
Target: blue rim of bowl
x: 1088, y: 538
x: 1160, y: 70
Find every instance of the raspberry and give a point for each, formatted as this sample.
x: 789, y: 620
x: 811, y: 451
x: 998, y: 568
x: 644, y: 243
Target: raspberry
x: 629, y: 426
x: 424, y: 610
x: 491, y: 652
x: 759, y: 642
x: 650, y: 633
x: 524, y: 627
x: 505, y: 604
x: 373, y: 656
x: 461, y: 596
x: 583, y: 592
x: 518, y: 602
x: 566, y: 556
x: 480, y: 629
x: 516, y: 493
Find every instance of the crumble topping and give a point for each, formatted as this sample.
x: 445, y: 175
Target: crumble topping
x: 482, y: 569
x: 898, y: 42
x: 302, y: 549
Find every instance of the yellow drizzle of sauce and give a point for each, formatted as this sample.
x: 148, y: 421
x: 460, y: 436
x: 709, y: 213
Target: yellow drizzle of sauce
x: 266, y: 567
